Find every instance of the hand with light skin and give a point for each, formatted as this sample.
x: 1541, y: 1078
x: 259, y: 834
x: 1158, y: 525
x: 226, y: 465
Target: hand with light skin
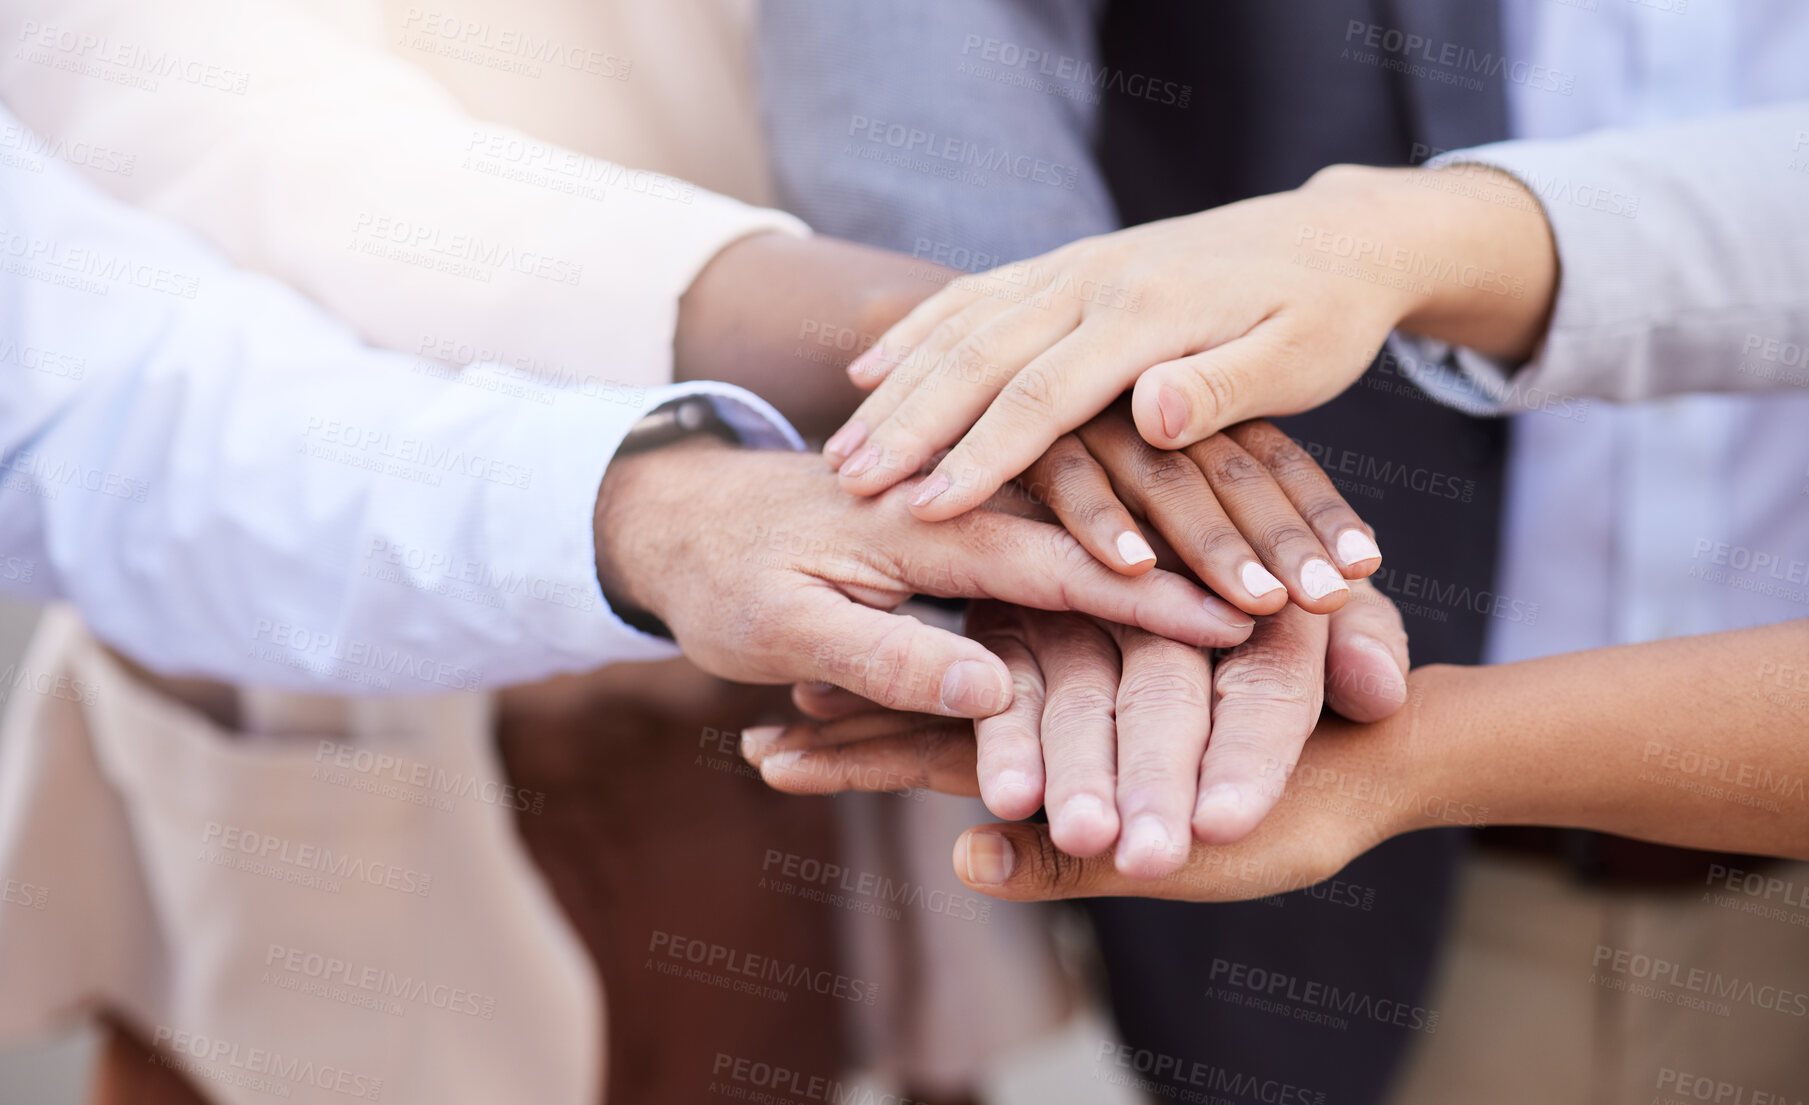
x: 1134, y: 744
x: 1608, y: 740
x: 766, y: 573
x: 1265, y: 307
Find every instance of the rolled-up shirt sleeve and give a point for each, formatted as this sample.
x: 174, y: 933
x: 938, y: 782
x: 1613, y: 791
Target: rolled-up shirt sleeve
x: 1684, y: 259
x: 288, y: 135
x: 228, y: 482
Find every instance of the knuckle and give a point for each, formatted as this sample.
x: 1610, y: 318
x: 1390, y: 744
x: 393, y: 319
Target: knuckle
x: 1233, y: 468
x: 1215, y: 540
x: 1032, y: 395
x: 1215, y: 393
x: 1170, y: 690
x: 1166, y: 473
x: 950, y: 332
x: 1263, y: 678
x: 1283, y: 532
x: 1078, y: 708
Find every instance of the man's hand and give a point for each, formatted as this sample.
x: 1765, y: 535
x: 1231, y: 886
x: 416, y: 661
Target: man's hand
x: 1265, y: 307
x: 1110, y: 729
x: 766, y: 573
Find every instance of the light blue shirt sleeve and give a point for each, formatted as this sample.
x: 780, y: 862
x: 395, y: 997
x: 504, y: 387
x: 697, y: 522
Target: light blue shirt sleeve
x: 959, y: 131
x: 228, y: 483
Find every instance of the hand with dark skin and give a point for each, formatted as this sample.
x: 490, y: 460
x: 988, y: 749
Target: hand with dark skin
x: 1613, y: 740
x: 1126, y: 738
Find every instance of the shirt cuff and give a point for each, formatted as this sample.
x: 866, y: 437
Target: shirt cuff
x: 546, y: 537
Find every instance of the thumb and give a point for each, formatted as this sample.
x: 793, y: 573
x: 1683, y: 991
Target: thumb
x: 1179, y: 402
x: 1018, y: 862
x: 899, y: 662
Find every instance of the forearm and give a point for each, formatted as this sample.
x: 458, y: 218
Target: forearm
x: 1697, y: 741
x: 782, y: 316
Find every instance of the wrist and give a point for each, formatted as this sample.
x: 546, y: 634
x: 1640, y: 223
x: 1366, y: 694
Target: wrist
x: 643, y: 517
x: 1436, y: 753
x: 1473, y: 243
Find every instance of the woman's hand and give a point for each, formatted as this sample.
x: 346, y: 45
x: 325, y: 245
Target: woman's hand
x: 1269, y: 306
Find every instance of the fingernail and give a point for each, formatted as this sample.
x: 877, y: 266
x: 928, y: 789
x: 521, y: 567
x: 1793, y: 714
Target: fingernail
x: 1258, y: 580
x: 989, y: 858
x: 861, y: 462
x: 782, y: 761
x: 971, y: 688
x: 1220, y: 801
x: 1228, y: 615
x: 1147, y: 836
x: 1133, y: 549
x: 1320, y: 579
x: 1005, y: 788
x: 1355, y: 546
x: 845, y: 440
x: 1394, y: 683
x: 1173, y: 409
x: 758, y: 739
x: 931, y: 488
x: 1083, y: 808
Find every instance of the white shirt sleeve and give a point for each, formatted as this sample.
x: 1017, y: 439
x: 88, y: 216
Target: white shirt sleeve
x: 1684, y: 252
x: 228, y: 482
x: 287, y: 134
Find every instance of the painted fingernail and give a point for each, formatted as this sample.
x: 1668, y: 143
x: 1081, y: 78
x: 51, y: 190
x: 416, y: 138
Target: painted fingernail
x: 1355, y: 546
x: 1222, y: 800
x: 989, y: 859
x: 861, y: 462
x: 1173, y: 409
x: 845, y: 440
x: 868, y: 363
x: 971, y: 688
x: 930, y: 488
x: 1320, y: 579
x: 1133, y: 549
x: 782, y: 761
x: 1005, y: 789
x: 758, y: 739
x: 1258, y: 580
x: 1147, y: 836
